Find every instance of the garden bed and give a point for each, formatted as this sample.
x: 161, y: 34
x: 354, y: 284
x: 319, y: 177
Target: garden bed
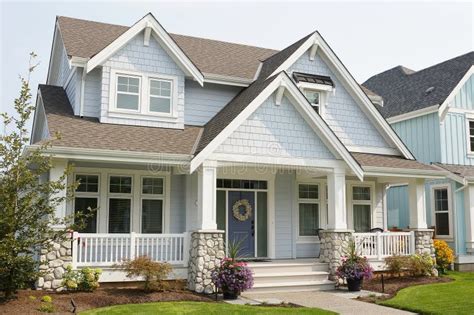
x: 102, y: 297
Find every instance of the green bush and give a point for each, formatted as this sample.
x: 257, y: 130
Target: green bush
x: 153, y: 272
x: 396, y: 264
x: 46, y: 305
x: 86, y: 279
x: 421, y: 265
x: 47, y: 299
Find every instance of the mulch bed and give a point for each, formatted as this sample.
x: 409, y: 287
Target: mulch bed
x: 102, y: 297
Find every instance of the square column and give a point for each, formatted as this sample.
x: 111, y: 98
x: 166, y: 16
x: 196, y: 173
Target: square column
x: 337, y: 212
x: 207, y: 176
x: 469, y: 217
x: 55, y: 173
x: 417, y: 204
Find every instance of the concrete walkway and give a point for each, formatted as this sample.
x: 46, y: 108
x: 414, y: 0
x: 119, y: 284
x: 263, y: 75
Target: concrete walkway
x: 335, y: 301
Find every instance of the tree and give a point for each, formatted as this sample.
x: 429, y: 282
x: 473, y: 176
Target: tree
x: 27, y: 203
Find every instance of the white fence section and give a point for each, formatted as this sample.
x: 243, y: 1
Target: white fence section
x: 379, y: 245
x: 96, y: 249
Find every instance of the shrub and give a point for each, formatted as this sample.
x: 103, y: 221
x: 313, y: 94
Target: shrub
x: 444, y: 255
x: 420, y: 265
x: 232, y: 276
x: 86, y: 279
x: 396, y: 264
x: 46, y: 305
x: 47, y: 299
x: 153, y: 272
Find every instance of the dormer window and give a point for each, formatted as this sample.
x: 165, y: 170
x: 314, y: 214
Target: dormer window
x: 315, y: 87
x: 143, y: 94
x: 314, y: 98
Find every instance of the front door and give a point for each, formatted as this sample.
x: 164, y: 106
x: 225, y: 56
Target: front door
x: 241, y: 221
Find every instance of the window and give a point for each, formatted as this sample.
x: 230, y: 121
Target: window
x: 314, y: 98
x: 152, y: 199
x: 86, y: 201
x: 308, y: 209
x: 120, y: 202
x: 361, y: 208
x: 471, y: 136
x: 128, y: 92
x: 441, y: 211
x: 160, y: 96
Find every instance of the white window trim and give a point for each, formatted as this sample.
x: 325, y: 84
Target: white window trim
x: 87, y: 194
x: 111, y: 195
x: 450, y: 210
x: 153, y: 197
x: 144, y: 96
x: 469, y: 118
x: 323, y: 95
x: 351, y: 202
x: 322, y: 204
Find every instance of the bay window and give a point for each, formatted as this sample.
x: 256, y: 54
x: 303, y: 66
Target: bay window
x: 308, y: 209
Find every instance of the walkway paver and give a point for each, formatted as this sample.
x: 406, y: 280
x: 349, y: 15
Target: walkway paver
x: 328, y: 300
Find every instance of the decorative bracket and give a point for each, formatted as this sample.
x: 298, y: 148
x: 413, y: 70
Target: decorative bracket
x: 314, y: 49
x: 146, y: 38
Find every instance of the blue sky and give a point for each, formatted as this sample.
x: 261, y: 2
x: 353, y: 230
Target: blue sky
x: 369, y: 37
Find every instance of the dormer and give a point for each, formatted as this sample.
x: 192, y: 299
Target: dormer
x: 316, y: 88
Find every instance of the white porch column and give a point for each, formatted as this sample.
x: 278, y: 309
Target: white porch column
x: 417, y: 202
x: 207, y: 176
x: 337, y: 212
x: 469, y: 216
x: 55, y: 173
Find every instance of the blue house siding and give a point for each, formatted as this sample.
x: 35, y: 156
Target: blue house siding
x: 464, y: 99
x: 397, y: 205
x: 454, y: 140
x: 422, y: 136
x: 284, y: 187
x: 178, y: 204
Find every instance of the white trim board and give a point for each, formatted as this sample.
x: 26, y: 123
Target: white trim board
x: 295, y: 96
x: 414, y: 114
x: 353, y: 88
x: 160, y: 35
x: 444, y: 108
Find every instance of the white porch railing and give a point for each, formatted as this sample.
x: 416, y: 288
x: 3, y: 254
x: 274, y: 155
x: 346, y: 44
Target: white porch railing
x: 383, y: 244
x: 91, y: 249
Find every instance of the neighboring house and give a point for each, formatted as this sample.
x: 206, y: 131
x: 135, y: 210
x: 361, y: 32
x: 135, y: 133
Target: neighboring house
x: 432, y: 110
x: 184, y: 144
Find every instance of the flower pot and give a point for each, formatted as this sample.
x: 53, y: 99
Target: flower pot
x: 228, y: 295
x: 354, y: 284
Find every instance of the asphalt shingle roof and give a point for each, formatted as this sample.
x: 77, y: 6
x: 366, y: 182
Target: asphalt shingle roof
x: 89, y: 133
x: 464, y: 171
x: 377, y: 160
x: 404, y: 90
x: 85, y: 39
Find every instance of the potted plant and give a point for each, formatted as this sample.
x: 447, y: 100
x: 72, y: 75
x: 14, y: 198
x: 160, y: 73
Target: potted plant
x: 232, y: 277
x: 354, y: 268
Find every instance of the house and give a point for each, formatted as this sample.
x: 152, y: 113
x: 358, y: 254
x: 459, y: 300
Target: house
x: 185, y: 144
x: 432, y: 111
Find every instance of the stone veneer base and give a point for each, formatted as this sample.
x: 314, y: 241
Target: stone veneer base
x: 333, y: 246
x: 53, y: 263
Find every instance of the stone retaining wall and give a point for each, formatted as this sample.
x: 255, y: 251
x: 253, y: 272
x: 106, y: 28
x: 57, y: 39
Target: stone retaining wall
x: 206, y: 253
x: 53, y: 263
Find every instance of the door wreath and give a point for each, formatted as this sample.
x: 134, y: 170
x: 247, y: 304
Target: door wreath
x: 247, y: 210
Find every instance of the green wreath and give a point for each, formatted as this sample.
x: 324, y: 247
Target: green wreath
x: 236, y: 210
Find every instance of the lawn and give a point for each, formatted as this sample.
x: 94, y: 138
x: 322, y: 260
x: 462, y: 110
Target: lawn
x: 164, y: 308
x: 456, y: 297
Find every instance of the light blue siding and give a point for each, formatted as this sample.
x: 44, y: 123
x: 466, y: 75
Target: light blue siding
x: 397, y: 205
x: 342, y: 113
x: 465, y: 97
x: 178, y: 204
x: 92, y: 93
x: 202, y: 103
x: 307, y: 250
x: 284, y: 187
x: 422, y: 137
x: 276, y: 131
x: 454, y: 142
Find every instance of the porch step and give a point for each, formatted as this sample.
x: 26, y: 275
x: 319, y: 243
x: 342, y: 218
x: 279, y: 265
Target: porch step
x: 290, y: 276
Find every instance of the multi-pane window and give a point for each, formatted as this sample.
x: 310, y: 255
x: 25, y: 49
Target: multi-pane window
x: 120, y: 203
x: 152, y: 199
x: 314, y: 98
x: 308, y: 204
x: 361, y: 208
x: 160, y: 96
x: 86, y: 202
x: 128, y: 92
x: 471, y: 135
x: 441, y: 211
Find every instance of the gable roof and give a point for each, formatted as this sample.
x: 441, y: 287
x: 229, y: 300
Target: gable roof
x: 89, y: 133
x: 86, y: 39
x: 404, y: 90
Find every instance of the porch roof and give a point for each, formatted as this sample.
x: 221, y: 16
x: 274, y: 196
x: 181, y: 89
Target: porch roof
x: 89, y: 133
x: 463, y: 171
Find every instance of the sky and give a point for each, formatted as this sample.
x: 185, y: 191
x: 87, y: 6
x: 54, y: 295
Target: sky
x: 369, y: 37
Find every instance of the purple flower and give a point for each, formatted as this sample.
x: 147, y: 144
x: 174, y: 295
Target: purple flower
x: 232, y: 276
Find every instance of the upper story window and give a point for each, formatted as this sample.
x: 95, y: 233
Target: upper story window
x: 316, y: 88
x: 143, y: 94
x: 313, y: 98
x: 471, y: 136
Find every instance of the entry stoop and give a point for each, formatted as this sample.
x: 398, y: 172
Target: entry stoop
x: 290, y: 276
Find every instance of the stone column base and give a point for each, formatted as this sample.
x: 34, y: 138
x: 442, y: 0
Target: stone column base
x: 53, y: 263
x: 424, y: 242
x: 206, y: 253
x: 333, y: 247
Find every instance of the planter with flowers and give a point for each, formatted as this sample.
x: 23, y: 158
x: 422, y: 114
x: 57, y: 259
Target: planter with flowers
x: 354, y: 268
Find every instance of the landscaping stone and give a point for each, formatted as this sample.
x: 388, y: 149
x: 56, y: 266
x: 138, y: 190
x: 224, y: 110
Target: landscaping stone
x: 206, y: 252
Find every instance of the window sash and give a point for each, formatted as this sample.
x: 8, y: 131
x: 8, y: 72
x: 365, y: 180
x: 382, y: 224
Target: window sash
x: 441, y: 211
x: 152, y: 222
x: 309, y: 218
x: 85, y: 186
x: 122, y: 186
x: 308, y: 192
x: 90, y: 222
x: 119, y: 217
x: 361, y: 214
x: 153, y: 188
x: 128, y: 85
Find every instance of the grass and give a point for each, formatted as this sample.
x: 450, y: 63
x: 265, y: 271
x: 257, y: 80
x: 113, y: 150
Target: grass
x: 456, y: 297
x: 164, y: 308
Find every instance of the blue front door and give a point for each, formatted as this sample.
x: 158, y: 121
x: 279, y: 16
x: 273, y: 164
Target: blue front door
x: 241, y: 221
